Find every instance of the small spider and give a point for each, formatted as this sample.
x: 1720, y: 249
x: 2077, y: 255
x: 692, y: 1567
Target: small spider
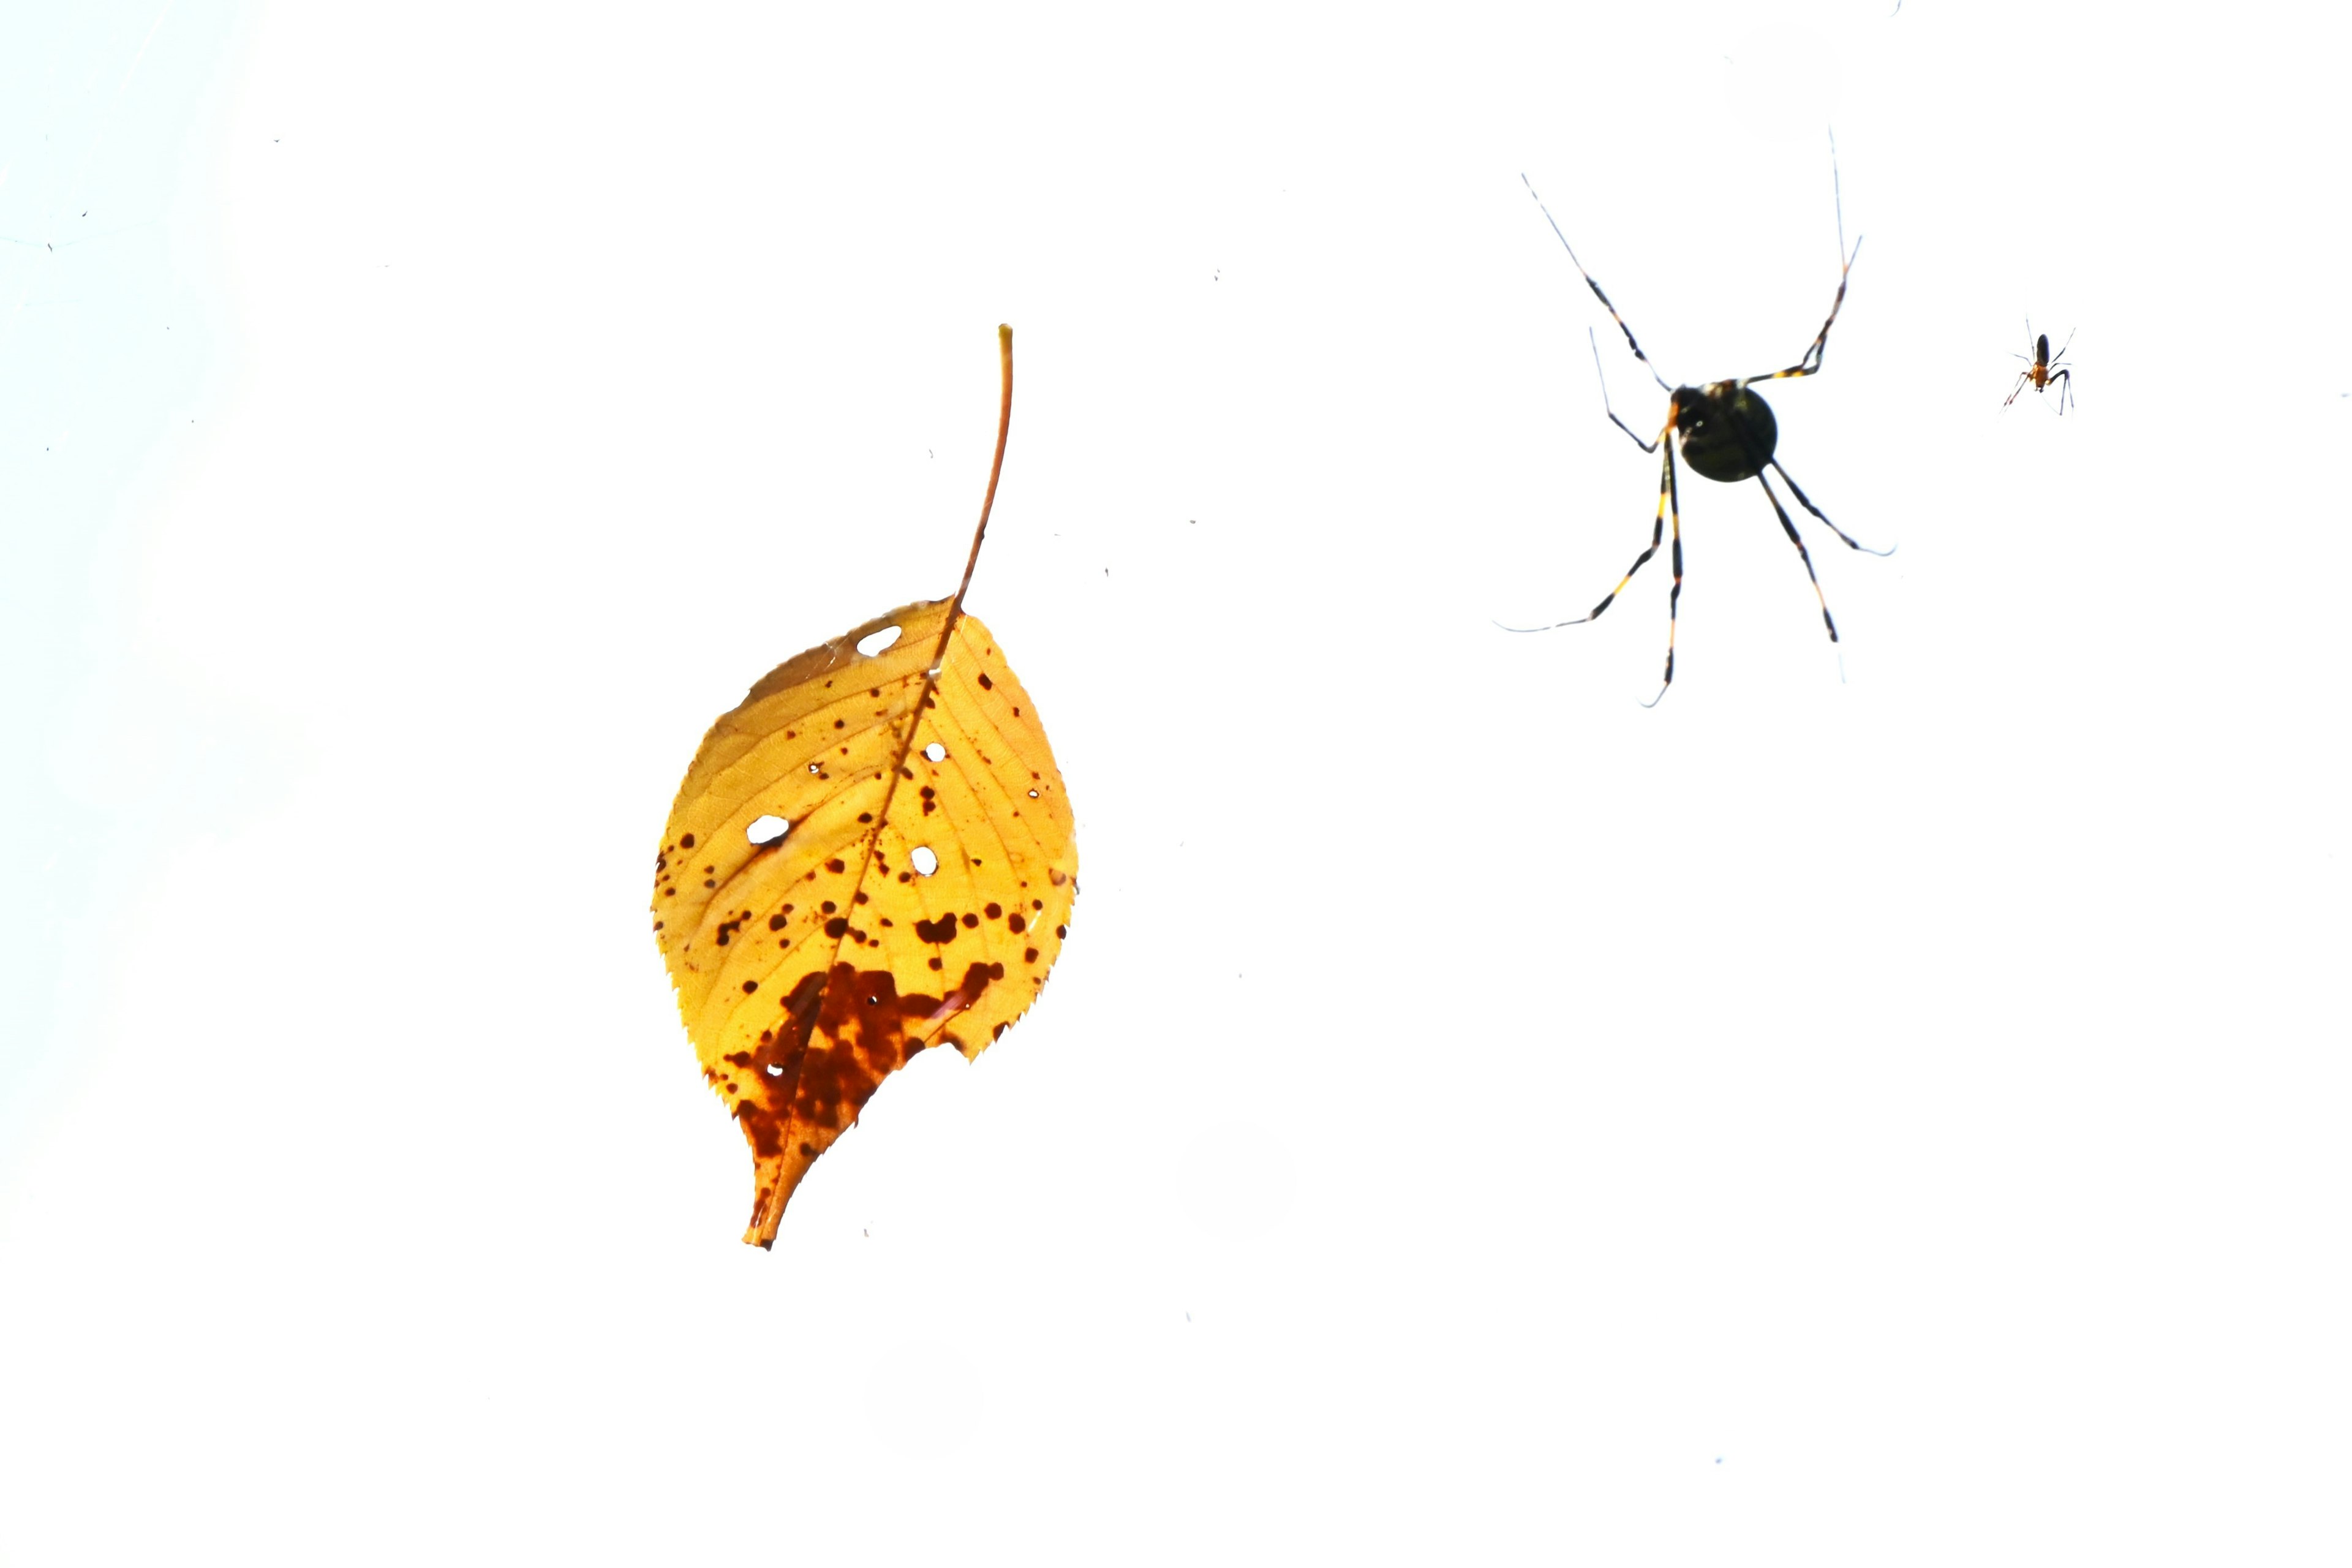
x: 1728, y: 435
x: 2042, y: 369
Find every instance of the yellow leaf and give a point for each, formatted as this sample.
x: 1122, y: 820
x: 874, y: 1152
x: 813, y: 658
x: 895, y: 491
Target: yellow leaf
x: 871, y: 855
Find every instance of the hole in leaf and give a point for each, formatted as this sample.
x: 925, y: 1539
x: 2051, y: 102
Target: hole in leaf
x: 1032, y: 794
x: 925, y: 861
x: 767, y: 829
x: 872, y: 643
x: 936, y: 751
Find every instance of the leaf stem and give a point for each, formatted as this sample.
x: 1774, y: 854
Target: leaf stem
x: 987, y: 504
x: 955, y: 609
x: 947, y: 630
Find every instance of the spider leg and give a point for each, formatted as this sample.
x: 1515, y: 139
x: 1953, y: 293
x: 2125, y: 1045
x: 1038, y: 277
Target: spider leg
x: 1813, y: 359
x: 1672, y: 501
x: 2022, y: 381
x: 1645, y: 445
x: 1589, y: 283
x: 2065, y: 346
x: 1658, y: 537
x: 1811, y: 363
x: 1806, y: 501
x: 1803, y: 553
x: 2065, y: 379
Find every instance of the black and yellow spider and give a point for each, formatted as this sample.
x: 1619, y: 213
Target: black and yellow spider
x: 1727, y: 434
x: 2042, y: 369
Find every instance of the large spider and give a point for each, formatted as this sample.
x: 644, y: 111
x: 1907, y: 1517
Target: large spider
x: 1727, y: 434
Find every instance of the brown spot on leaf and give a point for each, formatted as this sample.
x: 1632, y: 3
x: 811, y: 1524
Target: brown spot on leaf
x: 975, y: 981
x: 761, y: 1129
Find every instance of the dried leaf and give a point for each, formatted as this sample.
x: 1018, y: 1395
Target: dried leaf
x: 864, y: 860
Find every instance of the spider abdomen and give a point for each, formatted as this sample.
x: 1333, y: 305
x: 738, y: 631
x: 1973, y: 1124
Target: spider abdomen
x: 1729, y: 432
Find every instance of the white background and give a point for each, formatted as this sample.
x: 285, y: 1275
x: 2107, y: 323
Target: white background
x: 1889, y: 1118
